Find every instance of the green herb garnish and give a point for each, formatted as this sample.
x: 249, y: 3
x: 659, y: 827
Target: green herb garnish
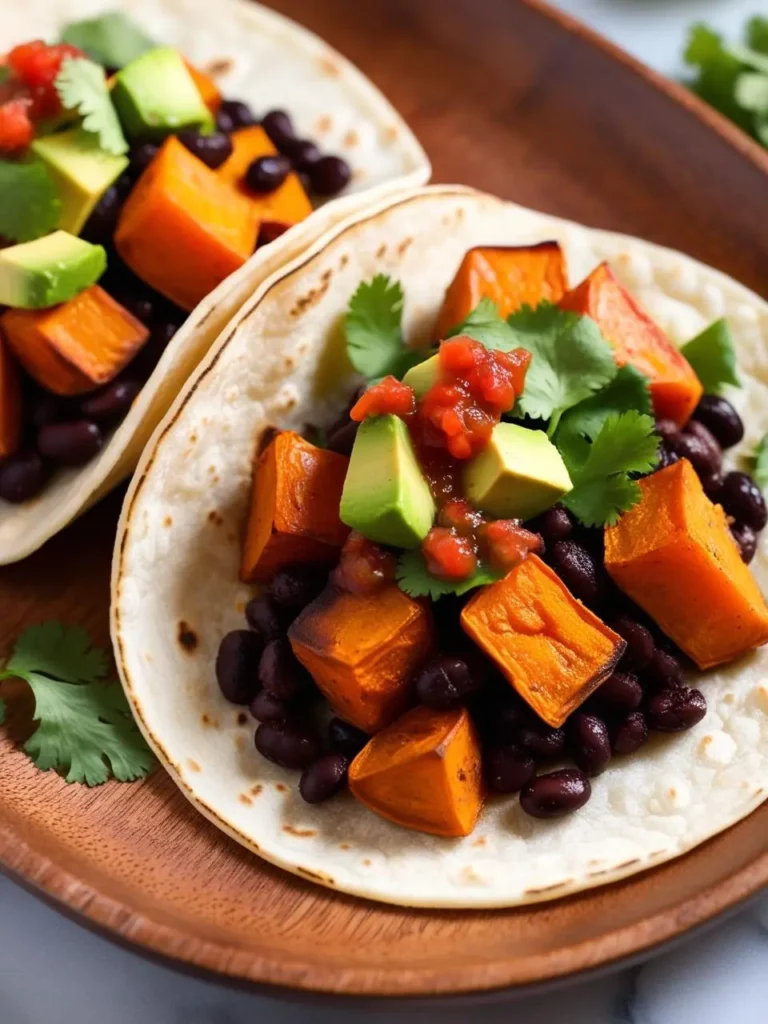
x: 485, y: 325
x: 602, y: 487
x: 112, y: 39
x: 373, y: 328
x: 30, y: 206
x: 82, y: 88
x: 712, y: 356
x: 85, y: 729
x: 415, y: 579
x: 757, y: 464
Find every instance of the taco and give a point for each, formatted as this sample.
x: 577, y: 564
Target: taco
x: 435, y: 585
x: 146, y: 189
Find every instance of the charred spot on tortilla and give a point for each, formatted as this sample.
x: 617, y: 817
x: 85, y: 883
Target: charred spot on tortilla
x: 193, y: 765
x: 316, y: 876
x: 479, y: 842
x: 381, y: 252
x: 343, y: 261
x: 216, y: 518
x: 187, y: 637
x: 344, y: 846
x: 390, y: 134
x: 167, y: 521
x: 242, y: 718
x: 404, y: 246
x: 208, y: 720
x: 219, y: 66
x: 323, y: 124
x: 255, y: 790
x: 281, y: 788
x: 302, y: 833
x: 330, y: 67
x: 326, y: 276
x: 245, y: 799
x: 350, y: 139
x: 305, y: 302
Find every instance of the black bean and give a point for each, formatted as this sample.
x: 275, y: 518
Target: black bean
x: 508, y: 768
x: 267, y: 708
x: 579, y: 570
x: 303, y: 153
x: 237, y: 664
x: 288, y: 744
x: 279, y: 127
x: 713, y: 485
x: 630, y: 734
x: 22, y: 477
x: 639, y: 640
x: 329, y: 175
x: 342, y: 439
x: 721, y: 419
x: 742, y: 498
x: 100, y: 226
x: 265, y: 617
x: 556, y: 794
x: 110, y: 404
x: 70, y: 444
x: 746, y: 540
x: 666, y: 457
x: 142, y: 156
x: 270, y: 231
x: 125, y: 183
x: 621, y: 692
x: 280, y: 672
x: 541, y: 740
x: 698, y: 445
x: 212, y: 149
x: 42, y: 408
x: 294, y: 588
x: 554, y: 525
x: 444, y: 682
x: 323, y: 778
x: 267, y: 173
x: 234, y: 114
x: 345, y: 738
x: 667, y: 430
x: 676, y: 710
x: 589, y: 742
x: 664, y: 671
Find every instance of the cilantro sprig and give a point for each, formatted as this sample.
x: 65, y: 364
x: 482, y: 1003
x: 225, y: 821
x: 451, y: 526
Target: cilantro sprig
x: 373, y: 327
x: 713, y: 357
x: 82, y: 89
x: 112, y: 39
x: 757, y: 464
x: 85, y: 730
x: 30, y: 206
x: 415, y: 579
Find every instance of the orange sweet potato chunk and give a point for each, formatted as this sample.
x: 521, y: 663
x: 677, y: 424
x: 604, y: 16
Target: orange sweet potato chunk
x: 10, y: 403
x: 674, y: 555
x: 183, y: 229
x: 637, y: 340
x: 294, y: 516
x: 423, y: 772
x: 553, y: 650
x: 77, y: 346
x: 206, y: 87
x: 287, y: 204
x: 511, y: 276
x: 362, y: 650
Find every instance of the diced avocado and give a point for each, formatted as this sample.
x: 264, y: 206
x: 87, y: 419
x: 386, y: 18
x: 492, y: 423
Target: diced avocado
x: 82, y: 173
x: 155, y: 95
x: 518, y: 475
x: 385, y: 496
x: 49, y: 270
x: 422, y: 376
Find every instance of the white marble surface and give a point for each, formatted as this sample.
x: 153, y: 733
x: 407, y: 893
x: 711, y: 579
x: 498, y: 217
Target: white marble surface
x: 53, y: 972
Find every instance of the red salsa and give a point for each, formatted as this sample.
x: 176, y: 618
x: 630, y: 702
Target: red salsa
x: 389, y: 396
x: 364, y: 567
x: 28, y: 95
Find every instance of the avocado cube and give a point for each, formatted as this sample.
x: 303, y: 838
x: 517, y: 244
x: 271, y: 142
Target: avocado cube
x: 518, y: 475
x: 82, y: 173
x: 155, y: 95
x: 423, y: 376
x: 50, y: 270
x: 385, y: 496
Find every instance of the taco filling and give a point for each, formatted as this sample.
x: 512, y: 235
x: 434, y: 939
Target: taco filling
x: 510, y: 559
x: 130, y: 188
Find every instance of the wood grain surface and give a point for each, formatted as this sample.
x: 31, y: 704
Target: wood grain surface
x: 511, y: 98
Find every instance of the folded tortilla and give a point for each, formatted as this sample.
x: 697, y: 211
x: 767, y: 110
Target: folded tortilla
x: 266, y: 60
x: 176, y: 590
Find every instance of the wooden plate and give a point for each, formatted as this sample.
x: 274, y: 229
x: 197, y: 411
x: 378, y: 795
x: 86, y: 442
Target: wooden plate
x: 518, y: 100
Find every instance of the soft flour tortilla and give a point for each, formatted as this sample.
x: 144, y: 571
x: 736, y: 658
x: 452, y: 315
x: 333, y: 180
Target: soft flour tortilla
x: 269, y: 61
x: 176, y: 592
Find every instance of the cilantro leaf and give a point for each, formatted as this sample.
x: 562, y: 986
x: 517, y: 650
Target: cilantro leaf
x: 82, y: 88
x: 414, y: 578
x: 373, y: 326
x: 717, y: 70
x: 85, y: 730
x: 757, y: 464
x: 485, y: 325
x: 571, y: 360
x: 712, y: 356
x: 29, y: 202
x: 751, y: 91
x: 756, y: 34
x: 751, y: 58
x: 602, y: 489
x: 112, y: 39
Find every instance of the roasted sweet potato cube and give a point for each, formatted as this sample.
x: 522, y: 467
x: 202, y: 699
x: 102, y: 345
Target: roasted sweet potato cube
x: 206, y: 87
x: 637, y: 340
x: 182, y: 229
x: 553, y: 650
x: 423, y: 772
x: 10, y: 403
x: 77, y: 346
x: 363, y: 650
x: 513, y: 276
x: 287, y: 204
x: 674, y: 555
x: 294, y: 516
